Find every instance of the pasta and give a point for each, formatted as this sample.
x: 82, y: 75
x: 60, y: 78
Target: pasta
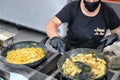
x: 70, y: 69
x: 24, y: 55
x: 98, y: 65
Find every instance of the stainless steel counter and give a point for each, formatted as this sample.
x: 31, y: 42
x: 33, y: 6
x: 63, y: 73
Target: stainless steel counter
x: 116, y: 75
x: 23, y: 70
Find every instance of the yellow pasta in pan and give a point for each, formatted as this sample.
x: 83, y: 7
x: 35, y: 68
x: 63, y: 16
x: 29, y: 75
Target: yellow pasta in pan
x: 24, y: 55
x: 97, y: 65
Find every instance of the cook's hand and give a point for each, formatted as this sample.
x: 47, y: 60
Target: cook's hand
x: 58, y: 44
x: 110, y: 39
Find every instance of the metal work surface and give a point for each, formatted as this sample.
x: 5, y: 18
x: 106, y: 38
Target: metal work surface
x: 47, y: 70
x: 29, y: 73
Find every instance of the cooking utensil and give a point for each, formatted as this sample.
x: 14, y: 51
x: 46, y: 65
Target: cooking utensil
x: 24, y: 44
x: 63, y: 53
x: 85, y: 68
x: 85, y: 74
x: 71, y: 53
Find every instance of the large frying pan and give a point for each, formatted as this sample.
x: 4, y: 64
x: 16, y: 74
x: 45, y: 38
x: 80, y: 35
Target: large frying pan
x: 29, y: 44
x: 81, y: 51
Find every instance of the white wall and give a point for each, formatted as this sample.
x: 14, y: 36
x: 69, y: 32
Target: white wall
x: 33, y: 14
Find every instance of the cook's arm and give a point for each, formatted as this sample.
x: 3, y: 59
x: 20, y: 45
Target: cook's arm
x: 110, y: 39
x: 116, y: 30
x: 52, y: 26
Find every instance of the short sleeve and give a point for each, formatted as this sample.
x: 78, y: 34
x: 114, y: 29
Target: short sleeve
x: 64, y: 13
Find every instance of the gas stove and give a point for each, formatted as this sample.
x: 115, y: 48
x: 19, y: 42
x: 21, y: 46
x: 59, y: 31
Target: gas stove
x: 49, y: 67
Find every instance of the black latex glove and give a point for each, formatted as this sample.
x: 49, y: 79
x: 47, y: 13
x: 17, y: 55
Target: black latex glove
x: 110, y: 39
x: 58, y: 44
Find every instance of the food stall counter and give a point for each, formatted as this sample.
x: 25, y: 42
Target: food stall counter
x: 21, y: 71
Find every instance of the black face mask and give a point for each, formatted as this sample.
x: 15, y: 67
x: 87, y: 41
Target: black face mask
x: 91, y: 6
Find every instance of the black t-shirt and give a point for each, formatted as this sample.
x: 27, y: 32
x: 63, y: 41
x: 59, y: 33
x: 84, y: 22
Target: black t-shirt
x: 84, y: 31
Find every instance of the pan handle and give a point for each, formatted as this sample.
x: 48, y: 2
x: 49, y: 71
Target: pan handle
x: 101, y: 47
x: 44, y: 40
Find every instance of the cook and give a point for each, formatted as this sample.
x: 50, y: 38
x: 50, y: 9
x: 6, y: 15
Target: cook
x: 88, y: 21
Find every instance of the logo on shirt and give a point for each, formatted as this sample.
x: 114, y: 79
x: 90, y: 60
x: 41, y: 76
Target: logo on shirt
x: 99, y: 31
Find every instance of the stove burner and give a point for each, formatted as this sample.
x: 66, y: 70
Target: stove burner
x: 60, y: 77
x: 49, y: 65
x: 107, y: 77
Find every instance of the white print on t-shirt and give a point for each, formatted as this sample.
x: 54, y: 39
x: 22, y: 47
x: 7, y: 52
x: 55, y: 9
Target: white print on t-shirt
x: 99, y: 31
